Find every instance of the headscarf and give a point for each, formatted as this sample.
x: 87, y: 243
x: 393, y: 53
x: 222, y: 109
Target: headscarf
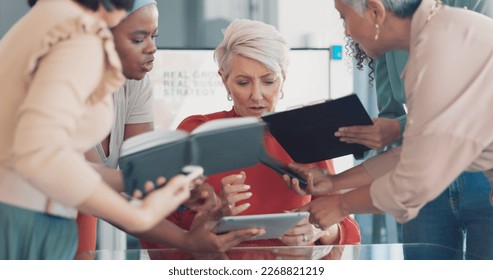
x: 139, y: 4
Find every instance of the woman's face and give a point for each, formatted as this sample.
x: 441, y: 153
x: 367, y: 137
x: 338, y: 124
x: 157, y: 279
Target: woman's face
x: 253, y: 87
x: 135, y: 41
x: 360, y: 28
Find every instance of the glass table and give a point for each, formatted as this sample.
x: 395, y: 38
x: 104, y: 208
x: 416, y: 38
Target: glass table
x: 336, y: 252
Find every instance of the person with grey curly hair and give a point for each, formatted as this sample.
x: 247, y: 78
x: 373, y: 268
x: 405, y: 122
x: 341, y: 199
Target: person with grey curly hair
x: 442, y: 135
x: 450, y: 211
x: 252, y: 61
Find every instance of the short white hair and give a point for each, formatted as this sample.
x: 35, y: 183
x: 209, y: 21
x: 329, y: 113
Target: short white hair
x: 256, y: 40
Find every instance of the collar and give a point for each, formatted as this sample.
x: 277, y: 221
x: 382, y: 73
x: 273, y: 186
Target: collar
x: 425, y: 12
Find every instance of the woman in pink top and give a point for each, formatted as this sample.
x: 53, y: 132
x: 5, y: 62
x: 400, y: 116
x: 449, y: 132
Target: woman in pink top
x: 449, y: 125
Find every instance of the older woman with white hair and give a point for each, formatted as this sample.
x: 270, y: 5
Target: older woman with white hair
x: 448, y: 128
x: 252, y: 61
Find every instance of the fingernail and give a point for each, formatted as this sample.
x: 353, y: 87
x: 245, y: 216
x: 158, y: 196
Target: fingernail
x: 337, y: 134
x: 239, y: 176
x: 246, y: 187
x: 248, y: 194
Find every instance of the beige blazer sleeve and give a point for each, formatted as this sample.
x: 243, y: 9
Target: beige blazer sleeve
x: 49, y: 118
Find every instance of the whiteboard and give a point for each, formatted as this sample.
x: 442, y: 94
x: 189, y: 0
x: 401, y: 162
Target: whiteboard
x: 186, y: 82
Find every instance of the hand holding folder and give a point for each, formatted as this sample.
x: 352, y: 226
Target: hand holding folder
x: 217, y: 146
x: 307, y: 133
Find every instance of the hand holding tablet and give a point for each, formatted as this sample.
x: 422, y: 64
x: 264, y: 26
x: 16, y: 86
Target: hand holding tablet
x: 275, y: 225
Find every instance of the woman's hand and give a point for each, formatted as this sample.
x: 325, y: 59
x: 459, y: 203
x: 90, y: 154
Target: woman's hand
x: 203, y: 240
x: 234, y: 190
x: 301, y: 234
x: 138, y: 217
x: 161, y: 202
x: 318, y: 182
x: 202, y: 196
x: 382, y: 133
x: 305, y: 233
x: 325, y: 211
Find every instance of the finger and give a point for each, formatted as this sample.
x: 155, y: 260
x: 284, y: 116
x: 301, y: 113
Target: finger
x: 179, y: 183
x: 206, y: 201
x: 233, y: 238
x: 355, y: 129
x: 296, y: 240
x: 160, y: 181
x: 228, y: 189
x: 298, y: 168
x: 303, y: 223
x: 137, y: 194
x: 310, y: 187
x: 300, y: 228
x: 148, y: 186
x: 365, y: 142
x: 361, y: 134
x: 175, y: 193
x: 359, y: 138
x: 234, y: 198
x: 314, y: 221
x: 240, y: 208
x: 295, y: 186
x: 234, y: 179
x: 287, y: 180
x: 181, y: 196
x: 196, y: 183
x: 305, y: 208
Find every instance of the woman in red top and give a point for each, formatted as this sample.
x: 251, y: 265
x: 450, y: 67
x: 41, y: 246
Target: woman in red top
x: 252, y: 62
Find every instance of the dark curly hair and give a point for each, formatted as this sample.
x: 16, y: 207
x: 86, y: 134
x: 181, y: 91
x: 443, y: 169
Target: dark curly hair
x: 94, y: 4
x: 353, y: 49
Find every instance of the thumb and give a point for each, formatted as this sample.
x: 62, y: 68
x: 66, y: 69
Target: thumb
x: 304, y: 208
x: 209, y: 225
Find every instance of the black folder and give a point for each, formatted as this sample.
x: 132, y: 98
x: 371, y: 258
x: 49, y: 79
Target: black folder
x: 218, y: 146
x: 307, y: 133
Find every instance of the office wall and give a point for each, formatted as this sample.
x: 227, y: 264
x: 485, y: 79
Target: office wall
x: 316, y: 23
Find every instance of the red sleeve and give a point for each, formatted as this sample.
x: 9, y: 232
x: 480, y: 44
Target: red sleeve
x: 327, y: 165
x: 192, y: 122
x: 349, y: 231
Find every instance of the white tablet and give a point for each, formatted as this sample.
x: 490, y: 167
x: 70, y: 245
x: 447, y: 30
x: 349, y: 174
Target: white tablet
x: 275, y: 225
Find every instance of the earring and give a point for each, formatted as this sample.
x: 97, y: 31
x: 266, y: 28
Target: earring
x: 377, y: 32
x: 282, y: 94
x: 229, y: 97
